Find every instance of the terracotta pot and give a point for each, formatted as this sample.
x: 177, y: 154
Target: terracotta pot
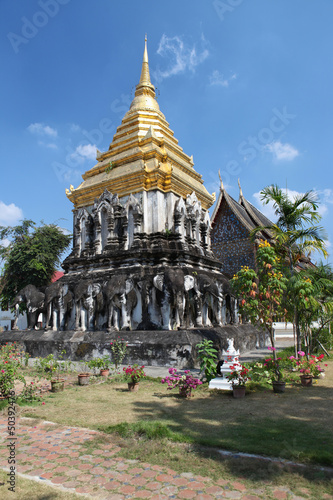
x: 83, y: 378
x: 306, y: 380
x: 279, y: 386
x: 57, y: 385
x: 133, y: 386
x: 184, y: 393
x: 104, y: 373
x: 238, y: 391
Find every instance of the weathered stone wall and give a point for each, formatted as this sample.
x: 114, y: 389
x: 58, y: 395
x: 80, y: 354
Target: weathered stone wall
x: 231, y: 242
x: 153, y: 348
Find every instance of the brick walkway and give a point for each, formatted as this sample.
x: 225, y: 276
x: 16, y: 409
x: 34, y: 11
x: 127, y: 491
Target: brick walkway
x: 57, y: 455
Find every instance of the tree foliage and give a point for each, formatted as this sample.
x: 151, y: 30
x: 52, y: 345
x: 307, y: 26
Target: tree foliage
x: 261, y: 293
x: 31, y: 257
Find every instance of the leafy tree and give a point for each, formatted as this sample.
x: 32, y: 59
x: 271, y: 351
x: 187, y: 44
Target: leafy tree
x: 31, y: 257
x: 261, y: 292
x: 295, y: 233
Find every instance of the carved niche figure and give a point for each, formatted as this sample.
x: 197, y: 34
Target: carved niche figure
x: 85, y: 294
x: 58, y: 303
x: 34, y: 301
x: 121, y: 299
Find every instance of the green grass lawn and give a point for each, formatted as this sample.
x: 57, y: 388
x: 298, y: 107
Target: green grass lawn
x: 296, y: 425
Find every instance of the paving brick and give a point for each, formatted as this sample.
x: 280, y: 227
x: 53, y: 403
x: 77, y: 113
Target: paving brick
x: 238, y: 486
x: 143, y: 494
x: 113, y: 485
x: 84, y: 478
x: 280, y: 495
x: 196, y: 485
x: 149, y: 473
x: 127, y: 489
x: 154, y: 486
x: 70, y: 484
x: 204, y: 496
x: 164, y: 478
x: 187, y: 494
x: 59, y: 479
x: 62, y: 468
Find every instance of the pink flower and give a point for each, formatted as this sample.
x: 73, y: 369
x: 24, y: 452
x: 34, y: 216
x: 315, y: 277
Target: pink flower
x: 271, y: 348
x: 301, y: 353
x: 43, y: 403
x: 292, y: 357
x: 3, y: 371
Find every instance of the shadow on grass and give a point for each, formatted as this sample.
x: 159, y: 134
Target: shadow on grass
x: 295, y: 426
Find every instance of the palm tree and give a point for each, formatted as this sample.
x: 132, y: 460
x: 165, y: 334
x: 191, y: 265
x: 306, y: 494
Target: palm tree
x: 295, y: 231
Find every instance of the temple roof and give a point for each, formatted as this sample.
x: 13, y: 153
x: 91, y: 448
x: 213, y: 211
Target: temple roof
x: 143, y: 155
x: 245, y: 212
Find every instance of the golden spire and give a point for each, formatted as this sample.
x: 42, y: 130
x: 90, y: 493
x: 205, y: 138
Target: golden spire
x: 145, y: 77
x: 145, y: 91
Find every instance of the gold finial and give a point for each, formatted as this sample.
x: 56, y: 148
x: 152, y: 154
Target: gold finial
x: 240, y: 190
x: 222, y: 187
x: 145, y: 77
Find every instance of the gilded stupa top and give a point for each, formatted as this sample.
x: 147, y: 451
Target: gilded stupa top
x: 143, y: 155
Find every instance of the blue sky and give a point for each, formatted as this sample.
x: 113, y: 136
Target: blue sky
x: 246, y: 87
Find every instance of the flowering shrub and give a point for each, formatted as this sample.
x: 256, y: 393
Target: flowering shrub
x: 134, y: 373
x: 185, y: 381
x: 309, y: 366
x: 118, y: 349
x: 238, y: 376
x: 10, y: 367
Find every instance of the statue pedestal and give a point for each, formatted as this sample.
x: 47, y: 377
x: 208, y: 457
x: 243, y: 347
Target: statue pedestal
x: 231, y: 359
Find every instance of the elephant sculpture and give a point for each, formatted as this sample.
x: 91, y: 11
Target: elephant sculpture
x: 58, y: 304
x: 209, y: 301
x: 85, y: 294
x: 170, y: 297
x: 121, y: 299
x: 34, y: 302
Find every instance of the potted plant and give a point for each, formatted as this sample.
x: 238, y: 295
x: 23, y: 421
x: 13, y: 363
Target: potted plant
x: 274, y: 367
x: 184, y: 381
x: 118, y: 349
x: 133, y: 375
x: 238, y: 377
x: 102, y: 364
x: 308, y: 367
x: 51, y: 368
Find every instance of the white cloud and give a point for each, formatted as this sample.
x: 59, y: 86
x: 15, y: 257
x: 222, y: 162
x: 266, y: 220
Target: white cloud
x: 183, y: 57
x: 9, y: 214
x: 50, y: 145
x: 84, y: 152
x: 326, y: 195
x: 216, y: 78
x: 282, y: 151
x: 41, y: 129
